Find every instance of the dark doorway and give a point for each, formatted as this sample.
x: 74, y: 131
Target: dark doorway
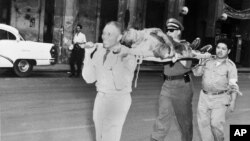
x: 155, y: 13
x: 109, y: 12
x: 5, y: 7
x: 48, y: 21
x: 231, y: 29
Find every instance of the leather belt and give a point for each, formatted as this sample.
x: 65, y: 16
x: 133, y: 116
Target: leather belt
x: 214, y: 93
x: 169, y: 78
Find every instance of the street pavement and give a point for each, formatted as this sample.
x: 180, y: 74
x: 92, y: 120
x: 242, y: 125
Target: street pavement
x: 50, y: 106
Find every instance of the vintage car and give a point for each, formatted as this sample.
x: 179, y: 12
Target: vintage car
x: 22, y: 55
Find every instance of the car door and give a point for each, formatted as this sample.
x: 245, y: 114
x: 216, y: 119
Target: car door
x: 8, y: 48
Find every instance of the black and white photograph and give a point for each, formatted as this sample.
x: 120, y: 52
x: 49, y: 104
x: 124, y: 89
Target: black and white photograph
x: 124, y: 70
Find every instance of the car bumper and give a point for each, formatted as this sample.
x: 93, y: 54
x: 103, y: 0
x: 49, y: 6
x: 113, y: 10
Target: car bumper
x: 53, y: 61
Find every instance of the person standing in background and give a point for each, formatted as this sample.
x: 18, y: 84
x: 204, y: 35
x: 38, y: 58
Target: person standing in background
x: 77, y: 52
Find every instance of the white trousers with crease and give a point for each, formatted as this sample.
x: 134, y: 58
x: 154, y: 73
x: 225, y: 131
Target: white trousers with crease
x: 109, y: 114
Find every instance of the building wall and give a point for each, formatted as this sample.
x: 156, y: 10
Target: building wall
x: 137, y: 10
x: 28, y: 17
x: 244, y: 27
x: 65, y: 18
x: 58, y: 22
x: 88, y: 17
x: 245, y: 32
x: 58, y: 30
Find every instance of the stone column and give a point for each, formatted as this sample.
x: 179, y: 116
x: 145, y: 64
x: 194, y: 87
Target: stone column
x: 137, y: 13
x: 214, y: 12
x: 66, y: 12
x: 132, y: 4
x: 58, y: 28
x: 121, y: 10
x: 174, y: 8
x: 70, y: 19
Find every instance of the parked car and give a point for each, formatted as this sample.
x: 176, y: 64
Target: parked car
x: 22, y: 55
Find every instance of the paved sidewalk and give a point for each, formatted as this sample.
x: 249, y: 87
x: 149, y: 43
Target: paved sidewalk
x: 65, y: 68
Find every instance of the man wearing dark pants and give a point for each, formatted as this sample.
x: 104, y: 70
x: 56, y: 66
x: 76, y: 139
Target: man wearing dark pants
x: 176, y: 93
x: 77, y: 54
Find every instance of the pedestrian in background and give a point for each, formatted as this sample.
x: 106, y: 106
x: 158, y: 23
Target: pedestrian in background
x: 176, y: 93
x: 219, y: 91
x: 77, y: 52
x: 112, y: 70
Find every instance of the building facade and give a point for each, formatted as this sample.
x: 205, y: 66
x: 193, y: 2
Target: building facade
x: 54, y: 20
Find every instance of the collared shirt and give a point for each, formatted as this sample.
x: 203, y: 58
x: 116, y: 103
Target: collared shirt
x: 114, y: 75
x: 79, y: 38
x: 217, y: 76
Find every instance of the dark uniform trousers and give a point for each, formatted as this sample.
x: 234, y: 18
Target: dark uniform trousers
x: 175, y: 101
x: 76, y: 58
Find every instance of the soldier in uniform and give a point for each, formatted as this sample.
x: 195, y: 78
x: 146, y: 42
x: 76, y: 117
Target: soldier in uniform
x: 176, y: 93
x: 218, y: 94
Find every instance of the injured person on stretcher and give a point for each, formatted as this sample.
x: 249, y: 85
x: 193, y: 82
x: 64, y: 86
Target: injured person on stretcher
x: 153, y: 45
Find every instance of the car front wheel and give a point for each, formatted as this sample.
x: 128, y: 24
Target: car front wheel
x: 23, y: 68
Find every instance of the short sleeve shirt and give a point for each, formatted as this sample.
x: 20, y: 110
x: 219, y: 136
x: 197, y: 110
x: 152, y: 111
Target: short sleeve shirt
x: 216, y: 77
x: 79, y: 37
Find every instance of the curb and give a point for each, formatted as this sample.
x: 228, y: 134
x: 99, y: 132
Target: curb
x: 141, y: 70
x: 65, y: 68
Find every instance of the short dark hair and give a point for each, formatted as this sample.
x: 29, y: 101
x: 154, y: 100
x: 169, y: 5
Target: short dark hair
x: 116, y: 24
x: 79, y: 26
x: 225, y: 41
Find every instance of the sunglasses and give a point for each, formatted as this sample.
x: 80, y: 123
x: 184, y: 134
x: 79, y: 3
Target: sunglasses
x: 171, y: 30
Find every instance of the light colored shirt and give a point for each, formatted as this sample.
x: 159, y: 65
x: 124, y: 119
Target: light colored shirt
x: 217, y: 76
x: 114, y: 75
x: 79, y: 38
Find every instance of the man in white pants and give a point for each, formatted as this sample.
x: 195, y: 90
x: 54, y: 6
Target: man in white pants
x: 219, y: 92
x: 113, y: 70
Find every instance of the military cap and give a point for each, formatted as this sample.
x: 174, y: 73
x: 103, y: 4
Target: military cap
x: 174, y: 24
